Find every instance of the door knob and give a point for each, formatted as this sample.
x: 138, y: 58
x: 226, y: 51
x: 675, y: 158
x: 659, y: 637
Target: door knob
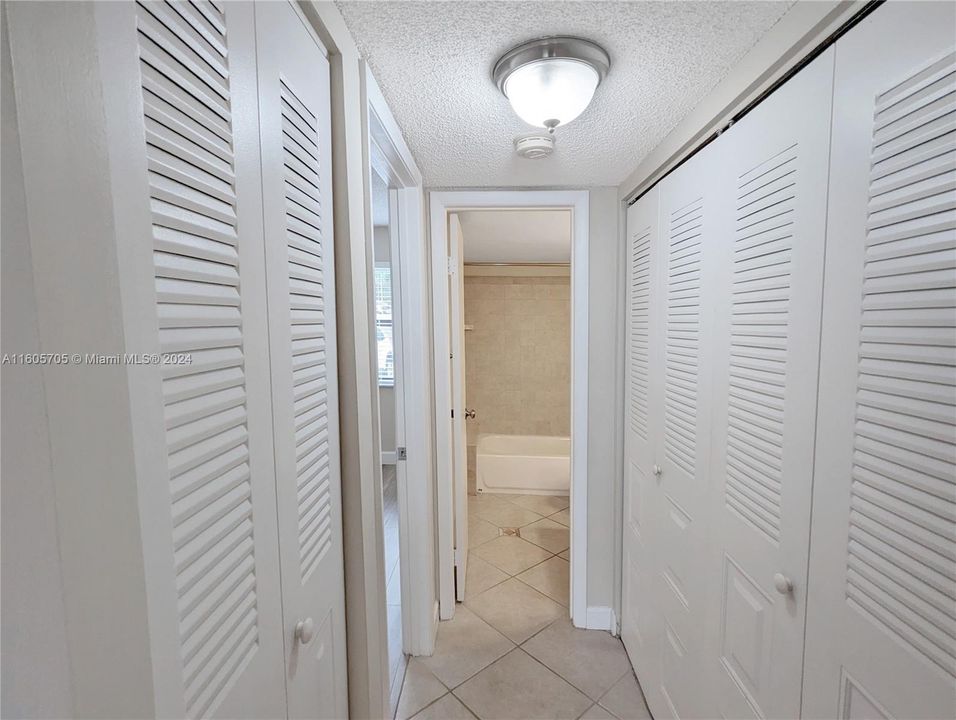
x: 304, y: 630
x: 783, y: 584
x: 657, y: 470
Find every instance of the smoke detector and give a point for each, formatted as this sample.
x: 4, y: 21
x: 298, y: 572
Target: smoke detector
x: 534, y: 146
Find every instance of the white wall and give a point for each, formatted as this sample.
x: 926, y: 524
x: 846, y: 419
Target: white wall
x: 36, y: 669
x: 605, y: 388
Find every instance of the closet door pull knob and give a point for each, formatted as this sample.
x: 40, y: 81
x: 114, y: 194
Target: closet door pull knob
x: 783, y: 584
x: 657, y: 470
x: 304, y: 630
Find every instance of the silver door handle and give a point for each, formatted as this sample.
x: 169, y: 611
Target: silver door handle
x: 469, y: 414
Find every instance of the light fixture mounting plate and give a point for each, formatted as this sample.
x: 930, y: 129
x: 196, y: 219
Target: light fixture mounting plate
x: 559, y: 46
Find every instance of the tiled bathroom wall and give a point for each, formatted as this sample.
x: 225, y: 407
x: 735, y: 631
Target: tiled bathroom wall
x: 517, y: 355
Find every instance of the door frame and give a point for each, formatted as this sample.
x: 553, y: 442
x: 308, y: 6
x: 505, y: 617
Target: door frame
x: 440, y: 204
x: 389, y: 156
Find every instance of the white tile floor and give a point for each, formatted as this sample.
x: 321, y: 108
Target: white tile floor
x: 511, y: 652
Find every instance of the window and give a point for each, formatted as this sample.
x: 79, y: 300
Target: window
x: 383, y: 325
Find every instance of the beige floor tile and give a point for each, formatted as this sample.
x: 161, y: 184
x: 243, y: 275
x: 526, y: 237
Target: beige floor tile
x: 566, y: 555
x: 464, y: 645
x: 552, y: 577
x: 484, y: 501
x: 596, y: 712
x: 519, y: 688
x: 507, y: 515
x: 515, y: 609
x: 482, y: 575
x: 563, y: 517
x: 591, y: 660
x: 548, y: 534
x: 542, y: 504
x: 480, y: 531
x: 447, y: 708
x: 625, y: 700
x: 511, y: 554
x: 420, y: 689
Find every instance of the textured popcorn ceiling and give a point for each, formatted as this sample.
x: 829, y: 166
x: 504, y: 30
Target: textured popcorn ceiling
x: 433, y: 61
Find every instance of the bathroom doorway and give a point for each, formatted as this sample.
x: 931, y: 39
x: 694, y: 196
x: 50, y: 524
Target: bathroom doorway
x: 510, y: 306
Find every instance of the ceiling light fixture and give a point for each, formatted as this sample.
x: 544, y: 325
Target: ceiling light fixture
x: 550, y: 81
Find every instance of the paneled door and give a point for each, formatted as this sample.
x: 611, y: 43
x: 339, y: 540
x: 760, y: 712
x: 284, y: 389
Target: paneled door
x: 769, y: 279
x: 456, y: 305
x: 881, y: 628
x: 641, y: 625
x: 294, y: 115
x: 687, y: 233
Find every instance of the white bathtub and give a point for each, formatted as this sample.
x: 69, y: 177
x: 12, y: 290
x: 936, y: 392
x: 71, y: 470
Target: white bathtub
x: 526, y: 464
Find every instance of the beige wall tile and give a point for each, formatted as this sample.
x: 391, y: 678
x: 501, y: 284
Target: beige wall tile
x: 518, y: 356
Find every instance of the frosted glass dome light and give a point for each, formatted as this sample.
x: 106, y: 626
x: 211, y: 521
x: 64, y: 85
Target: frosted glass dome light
x: 550, y: 81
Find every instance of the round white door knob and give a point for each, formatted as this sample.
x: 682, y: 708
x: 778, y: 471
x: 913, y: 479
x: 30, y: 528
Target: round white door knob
x: 783, y: 584
x: 304, y: 630
x: 657, y: 469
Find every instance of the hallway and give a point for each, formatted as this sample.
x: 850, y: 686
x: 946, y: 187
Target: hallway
x: 511, y: 651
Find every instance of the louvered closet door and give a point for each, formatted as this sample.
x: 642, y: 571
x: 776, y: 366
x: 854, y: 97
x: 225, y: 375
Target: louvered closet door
x: 881, y: 629
x: 769, y: 280
x: 179, y: 83
x: 641, y: 627
x: 687, y: 233
x: 297, y: 193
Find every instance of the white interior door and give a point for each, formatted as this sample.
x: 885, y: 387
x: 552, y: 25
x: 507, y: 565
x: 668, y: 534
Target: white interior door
x: 294, y: 112
x: 768, y: 292
x: 181, y: 111
x: 687, y: 236
x: 641, y: 622
x: 456, y: 297
x: 881, y: 628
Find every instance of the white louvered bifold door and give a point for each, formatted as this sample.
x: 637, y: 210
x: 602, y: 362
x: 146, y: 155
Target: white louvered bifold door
x: 181, y: 111
x: 297, y: 195
x: 687, y: 234
x: 641, y: 626
x: 769, y: 279
x: 881, y: 628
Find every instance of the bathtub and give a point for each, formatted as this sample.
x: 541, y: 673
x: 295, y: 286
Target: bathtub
x: 526, y: 464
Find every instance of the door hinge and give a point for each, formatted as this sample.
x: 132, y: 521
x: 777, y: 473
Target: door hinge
x: 401, y: 453
x: 453, y: 413
x: 451, y: 270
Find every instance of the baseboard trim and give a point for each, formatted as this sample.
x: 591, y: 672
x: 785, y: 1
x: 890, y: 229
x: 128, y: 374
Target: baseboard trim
x: 388, y: 458
x: 602, y: 618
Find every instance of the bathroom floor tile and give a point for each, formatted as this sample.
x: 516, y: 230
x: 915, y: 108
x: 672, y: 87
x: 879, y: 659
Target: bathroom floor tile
x: 465, y: 645
x: 480, y: 531
x: 552, y: 577
x: 517, y: 687
x: 420, y: 689
x: 596, y: 712
x: 505, y: 514
x: 553, y: 537
x: 447, y: 708
x: 591, y: 661
x: 563, y: 517
x: 542, y: 504
x: 511, y: 554
x: 626, y: 700
x: 482, y: 575
x: 566, y: 554
x: 516, y: 610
